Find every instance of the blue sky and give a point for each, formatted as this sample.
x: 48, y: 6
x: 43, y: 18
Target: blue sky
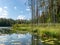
x: 15, y: 9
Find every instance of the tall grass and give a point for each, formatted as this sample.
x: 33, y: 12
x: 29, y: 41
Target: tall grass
x: 44, y: 30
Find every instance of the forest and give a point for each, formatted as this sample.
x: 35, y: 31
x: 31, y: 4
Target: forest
x: 45, y: 11
x: 9, y: 22
x: 42, y: 11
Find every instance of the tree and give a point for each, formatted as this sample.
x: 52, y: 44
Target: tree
x: 6, y: 22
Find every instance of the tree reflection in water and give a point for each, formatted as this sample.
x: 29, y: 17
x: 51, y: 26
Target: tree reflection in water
x: 36, y: 40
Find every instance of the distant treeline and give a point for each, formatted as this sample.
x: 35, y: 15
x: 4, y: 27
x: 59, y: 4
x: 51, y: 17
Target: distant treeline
x: 10, y: 22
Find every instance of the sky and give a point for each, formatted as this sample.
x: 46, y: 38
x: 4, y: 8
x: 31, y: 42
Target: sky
x: 15, y: 9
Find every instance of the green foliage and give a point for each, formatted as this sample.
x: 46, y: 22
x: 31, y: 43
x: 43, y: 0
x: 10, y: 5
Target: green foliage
x: 6, y: 22
x: 21, y: 27
x: 46, y: 30
x: 10, y: 22
x: 6, y: 31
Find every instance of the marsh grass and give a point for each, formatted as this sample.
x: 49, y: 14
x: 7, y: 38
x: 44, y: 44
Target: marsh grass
x: 48, y: 33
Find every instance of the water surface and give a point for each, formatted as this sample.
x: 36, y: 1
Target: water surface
x: 15, y: 39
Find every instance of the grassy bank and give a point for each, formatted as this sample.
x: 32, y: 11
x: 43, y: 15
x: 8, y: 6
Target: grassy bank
x: 49, y: 33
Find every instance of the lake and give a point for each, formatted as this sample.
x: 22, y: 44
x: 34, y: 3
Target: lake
x: 15, y: 39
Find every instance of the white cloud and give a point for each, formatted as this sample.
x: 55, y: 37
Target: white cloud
x: 3, y: 13
x: 21, y: 17
x: 27, y: 9
x: 2, y: 16
x: 5, y: 7
x: 1, y: 9
x: 15, y: 7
